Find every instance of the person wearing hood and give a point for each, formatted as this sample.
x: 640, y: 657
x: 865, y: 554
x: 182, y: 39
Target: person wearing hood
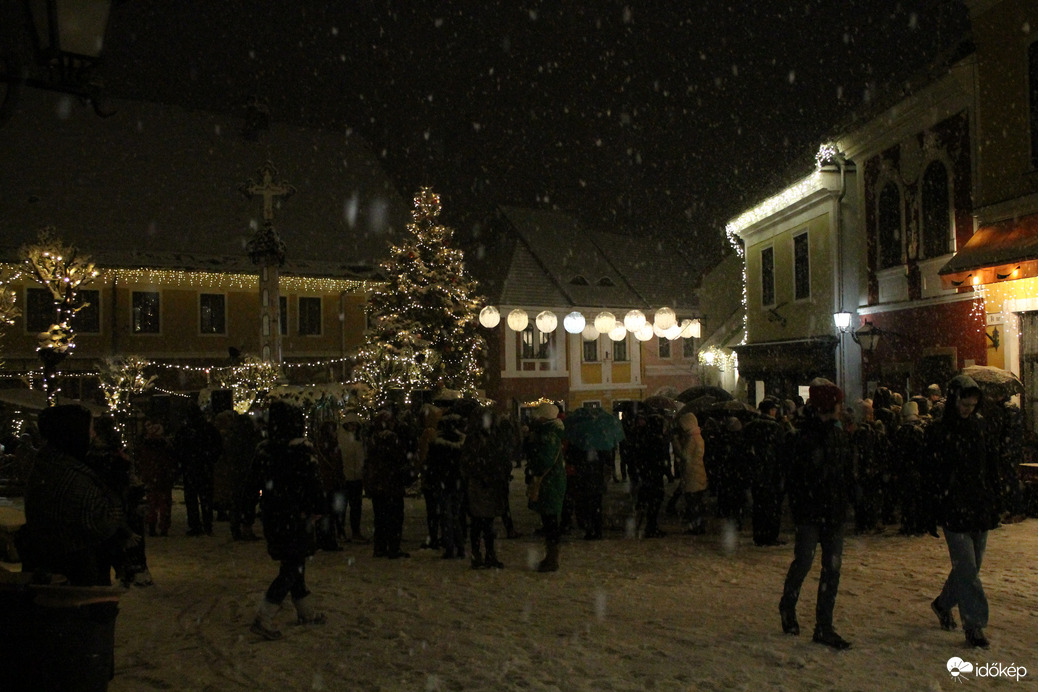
x: 70, y: 515
x: 821, y: 486
x: 691, y: 450
x: 544, y: 460
x: 293, y: 500
x: 966, y: 493
x: 764, y: 440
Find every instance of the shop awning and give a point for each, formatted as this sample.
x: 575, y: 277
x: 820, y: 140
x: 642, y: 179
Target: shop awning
x: 805, y: 358
x: 1002, y: 251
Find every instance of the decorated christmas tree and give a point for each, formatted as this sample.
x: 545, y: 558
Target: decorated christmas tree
x: 424, y: 319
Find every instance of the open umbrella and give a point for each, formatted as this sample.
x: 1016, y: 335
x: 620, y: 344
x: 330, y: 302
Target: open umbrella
x: 995, y: 382
x: 720, y: 409
x: 692, y: 393
x: 660, y: 403
x: 593, y: 428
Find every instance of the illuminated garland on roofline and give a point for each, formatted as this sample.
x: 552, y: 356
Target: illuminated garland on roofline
x: 178, y: 278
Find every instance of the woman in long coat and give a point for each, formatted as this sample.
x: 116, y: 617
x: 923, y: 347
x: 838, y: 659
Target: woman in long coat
x: 293, y: 501
x: 691, y: 450
x: 486, y: 467
x: 544, y: 458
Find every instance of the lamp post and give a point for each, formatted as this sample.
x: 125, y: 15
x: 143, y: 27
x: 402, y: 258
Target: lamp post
x: 66, y: 37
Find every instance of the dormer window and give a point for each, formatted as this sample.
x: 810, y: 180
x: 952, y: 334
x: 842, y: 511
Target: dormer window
x: 579, y: 280
x: 605, y: 281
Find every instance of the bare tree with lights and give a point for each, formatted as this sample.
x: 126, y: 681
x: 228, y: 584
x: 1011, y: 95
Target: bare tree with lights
x: 248, y: 380
x: 123, y: 378
x: 61, y: 270
x: 424, y: 319
x: 8, y: 296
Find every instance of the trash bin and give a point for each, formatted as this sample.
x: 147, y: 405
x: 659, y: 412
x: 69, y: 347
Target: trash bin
x: 57, y: 638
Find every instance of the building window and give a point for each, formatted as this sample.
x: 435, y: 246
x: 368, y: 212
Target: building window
x: 212, y: 314
x: 309, y: 316
x: 889, y: 219
x: 1032, y: 78
x: 801, y: 267
x: 664, y: 346
x: 936, y: 211
x: 283, y: 315
x: 620, y: 351
x: 536, y: 345
x: 688, y: 349
x: 145, y: 312
x: 40, y: 311
x: 88, y: 316
x: 767, y: 276
x: 591, y: 351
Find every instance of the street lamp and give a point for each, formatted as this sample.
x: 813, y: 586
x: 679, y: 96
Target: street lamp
x: 67, y: 37
x: 867, y: 336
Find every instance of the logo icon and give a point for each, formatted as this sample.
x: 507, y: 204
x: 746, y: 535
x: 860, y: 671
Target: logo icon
x: 957, y: 667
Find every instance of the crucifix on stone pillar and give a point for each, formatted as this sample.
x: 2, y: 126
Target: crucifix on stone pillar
x: 267, y: 250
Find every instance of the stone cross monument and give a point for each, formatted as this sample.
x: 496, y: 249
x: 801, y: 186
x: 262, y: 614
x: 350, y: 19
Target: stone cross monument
x: 267, y: 251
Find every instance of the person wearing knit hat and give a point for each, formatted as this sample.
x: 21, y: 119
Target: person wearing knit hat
x: 908, y: 449
x: 966, y: 490
x: 821, y: 483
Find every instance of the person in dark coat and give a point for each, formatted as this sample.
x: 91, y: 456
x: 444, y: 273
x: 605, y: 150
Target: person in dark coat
x: 157, y: 467
x: 650, y: 469
x: 387, y: 474
x: 198, y: 445
x: 591, y: 467
x: 486, y: 467
x: 820, y: 484
x: 966, y: 490
x: 69, y: 513
x: 909, y: 448
x: 763, y: 440
x: 871, y: 451
x: 293, y: 500
x: 443, y: 464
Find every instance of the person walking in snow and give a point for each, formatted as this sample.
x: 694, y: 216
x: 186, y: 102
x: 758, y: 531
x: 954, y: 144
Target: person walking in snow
x: 966, y: 489
x: 821, y: 486
x: 292, y: 502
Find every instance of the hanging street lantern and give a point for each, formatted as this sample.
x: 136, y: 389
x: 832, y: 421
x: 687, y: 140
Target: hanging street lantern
x: 618, y: 333
x: 574, y: 322
x: 634, y: 320
x: 644, y: 333
x: 589, y: 333
x: 604, y: 322
x: 665, y: 318
x: 546, y: 321
x: 489, y: 317
x: 518, y: 319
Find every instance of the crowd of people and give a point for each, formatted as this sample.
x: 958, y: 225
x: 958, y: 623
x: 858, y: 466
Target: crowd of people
x: 879, y: 462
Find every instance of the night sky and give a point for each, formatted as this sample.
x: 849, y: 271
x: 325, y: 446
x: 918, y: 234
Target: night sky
x: 660, y: 117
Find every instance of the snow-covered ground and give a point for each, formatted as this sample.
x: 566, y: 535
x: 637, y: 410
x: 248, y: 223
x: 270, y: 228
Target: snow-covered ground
x: 673, y: 613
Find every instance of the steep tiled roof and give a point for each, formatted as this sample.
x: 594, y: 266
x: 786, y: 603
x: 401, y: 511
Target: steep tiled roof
x: 654, y: 268
x: 158, y: 185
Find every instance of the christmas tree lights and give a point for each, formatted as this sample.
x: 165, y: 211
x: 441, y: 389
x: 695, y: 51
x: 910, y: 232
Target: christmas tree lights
x: 424, y: 319
x: 123, y: 378
x: 8, y: 296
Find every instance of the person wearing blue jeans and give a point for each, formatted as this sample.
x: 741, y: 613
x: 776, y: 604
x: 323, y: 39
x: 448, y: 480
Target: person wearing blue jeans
x: 821, y: 485
x: 966, y: 487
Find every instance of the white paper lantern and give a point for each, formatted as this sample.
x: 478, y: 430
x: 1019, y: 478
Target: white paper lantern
x: 546, y: 321
x: 589, y: 332
x: 672, y: 333
x: 665, y: 318
x: 604, y: 322
x: 634, y: 320
x: 686, y: 329
x: 489, y: 317
x: 657, y: 331
x: 697, y: 329
x: 574, y: 323
x: 645, y: 333
x: 619, y: 333
x: 518, y: 319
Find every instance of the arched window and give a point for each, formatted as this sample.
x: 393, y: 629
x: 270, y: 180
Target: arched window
x: 889, y: 213
x: 936, y: 211
x: 578, y: 280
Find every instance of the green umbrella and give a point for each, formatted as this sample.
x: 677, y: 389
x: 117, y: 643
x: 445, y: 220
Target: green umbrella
x: 593, y: 428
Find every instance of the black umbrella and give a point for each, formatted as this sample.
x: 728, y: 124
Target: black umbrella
x: 693, y: 393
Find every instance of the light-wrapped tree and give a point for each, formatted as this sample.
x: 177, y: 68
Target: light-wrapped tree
x: 61, y: 270
x: 424, y: 319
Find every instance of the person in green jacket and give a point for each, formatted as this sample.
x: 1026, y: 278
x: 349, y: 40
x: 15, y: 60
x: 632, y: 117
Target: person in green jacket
x: 544, y: 458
